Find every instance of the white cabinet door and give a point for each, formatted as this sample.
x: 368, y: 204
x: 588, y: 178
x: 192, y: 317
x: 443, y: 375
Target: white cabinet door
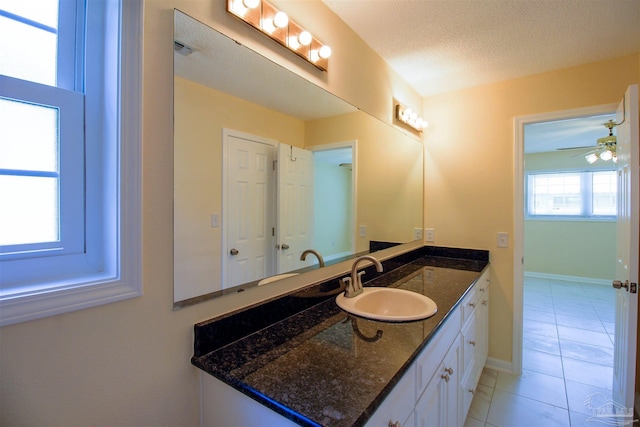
x: 439, y: 405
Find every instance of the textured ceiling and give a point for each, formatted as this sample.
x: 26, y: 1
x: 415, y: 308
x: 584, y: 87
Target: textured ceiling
x: 439, y: 46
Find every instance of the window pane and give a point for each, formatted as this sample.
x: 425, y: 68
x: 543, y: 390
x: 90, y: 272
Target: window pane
x: 29, y: 211
x: 28, y: 53
x: 43, y: 11
x: 556, y: 194
x: 604, y: 193
x: 28, y: 136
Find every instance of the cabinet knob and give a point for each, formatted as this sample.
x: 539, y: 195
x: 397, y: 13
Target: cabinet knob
x: 449, y: 371
x: 484, y: 302
x: 472, y: 304
x: 472, y: 391
x: 445, y: 377
x: 472, y: 342
x: 481, y: 289
x: 394, y: 424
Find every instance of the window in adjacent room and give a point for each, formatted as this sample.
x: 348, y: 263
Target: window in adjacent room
x: 587, y: 195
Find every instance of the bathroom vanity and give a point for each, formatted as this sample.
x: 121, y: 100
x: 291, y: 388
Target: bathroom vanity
x: 301, y: 360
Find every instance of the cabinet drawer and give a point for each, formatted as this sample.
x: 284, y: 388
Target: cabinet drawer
x: 467, y: 390
x: 469, y: 342
x: 469, y: 304
x: 430, y: 359
x: 483, y: 282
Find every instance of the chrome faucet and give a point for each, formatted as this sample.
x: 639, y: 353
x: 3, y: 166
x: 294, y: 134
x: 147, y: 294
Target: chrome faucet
x: 353, y: 284
x: 316, y: 253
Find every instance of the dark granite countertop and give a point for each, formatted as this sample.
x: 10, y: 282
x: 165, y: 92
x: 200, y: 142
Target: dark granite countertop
x: 322, y: 366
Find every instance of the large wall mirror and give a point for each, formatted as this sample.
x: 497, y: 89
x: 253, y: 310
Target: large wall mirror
x: 268, y: 165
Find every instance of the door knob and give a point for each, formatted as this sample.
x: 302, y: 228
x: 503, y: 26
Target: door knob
x: 284, y: 246
x: 631, y: 287
x: 618, y: 284
x: 234, y: 252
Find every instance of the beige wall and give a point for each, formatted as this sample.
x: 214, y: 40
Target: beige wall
x: 200, y: 115
x: 128, y: 363
x: 469, y: 172
x: 389, y: 174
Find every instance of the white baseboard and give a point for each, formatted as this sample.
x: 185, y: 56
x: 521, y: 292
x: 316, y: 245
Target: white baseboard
x: 565, y: 278
x: 499, y: 365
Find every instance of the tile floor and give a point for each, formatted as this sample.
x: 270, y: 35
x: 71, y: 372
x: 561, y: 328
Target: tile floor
x: 567, y: 358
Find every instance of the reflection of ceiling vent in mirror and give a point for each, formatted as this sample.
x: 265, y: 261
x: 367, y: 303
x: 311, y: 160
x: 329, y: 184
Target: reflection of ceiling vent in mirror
x: 182, y: 48
x: 346, y: 165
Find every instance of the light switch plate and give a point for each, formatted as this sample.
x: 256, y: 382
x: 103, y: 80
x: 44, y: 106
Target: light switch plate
x: 503, y: 239
x: 215, y: 220
x: 363, y: 230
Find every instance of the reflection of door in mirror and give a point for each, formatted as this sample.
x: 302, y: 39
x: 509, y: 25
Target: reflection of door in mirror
x: 295, y: 207
x: 248, y: 202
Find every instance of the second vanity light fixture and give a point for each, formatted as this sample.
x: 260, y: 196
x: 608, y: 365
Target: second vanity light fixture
x: 275, y: 23
x: 410, y: 118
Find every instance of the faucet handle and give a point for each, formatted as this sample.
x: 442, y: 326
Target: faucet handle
x: 360, y: 274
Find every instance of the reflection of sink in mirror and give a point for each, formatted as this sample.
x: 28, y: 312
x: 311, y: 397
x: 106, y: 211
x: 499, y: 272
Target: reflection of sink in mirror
x: 388, y: 304
x: 275, y: 278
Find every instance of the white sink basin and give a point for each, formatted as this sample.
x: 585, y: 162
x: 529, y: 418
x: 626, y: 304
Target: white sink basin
x: 388, y: 304
x: 275, y: 278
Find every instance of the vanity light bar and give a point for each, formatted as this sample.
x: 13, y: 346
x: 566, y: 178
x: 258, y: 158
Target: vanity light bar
x: 410, y: 118
x: 274, y: 23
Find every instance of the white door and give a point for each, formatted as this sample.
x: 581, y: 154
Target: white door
x: 249, y: 211
x: 295, y: 206
x: 624, y: 369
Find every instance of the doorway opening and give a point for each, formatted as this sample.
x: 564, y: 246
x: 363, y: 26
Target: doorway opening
x: 564, y: 306
x: 335, y: 199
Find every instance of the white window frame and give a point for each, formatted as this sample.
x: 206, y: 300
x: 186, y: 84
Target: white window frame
x: 110, y: 269
x: 586, y: 193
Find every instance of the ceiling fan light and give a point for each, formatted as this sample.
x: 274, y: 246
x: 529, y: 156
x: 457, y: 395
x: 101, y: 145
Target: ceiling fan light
x: 591, y: 158
x: 606, y: 155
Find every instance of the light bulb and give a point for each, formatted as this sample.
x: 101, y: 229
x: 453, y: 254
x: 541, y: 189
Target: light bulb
x: 251, y: 4
x: 281, y: 20
x: 606, y: 155
x: 305, y: 38
x: 239, y: 8
x: 267, y: 25
x: 294, y: 43
x: 325, y: 52
x: 591, y: 158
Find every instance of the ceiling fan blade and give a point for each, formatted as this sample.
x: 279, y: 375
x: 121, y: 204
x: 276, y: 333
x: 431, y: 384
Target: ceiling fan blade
x: 584, y: 153
x: 590, y: 147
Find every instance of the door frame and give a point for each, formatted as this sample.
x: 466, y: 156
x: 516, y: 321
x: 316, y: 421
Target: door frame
x: 519, y: 123
x: 226, y: 133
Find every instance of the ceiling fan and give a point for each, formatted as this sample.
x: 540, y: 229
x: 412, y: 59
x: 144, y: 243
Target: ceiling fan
x: 605, y: 148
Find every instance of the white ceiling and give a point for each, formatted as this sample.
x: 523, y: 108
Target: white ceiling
x: 439, y: 46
